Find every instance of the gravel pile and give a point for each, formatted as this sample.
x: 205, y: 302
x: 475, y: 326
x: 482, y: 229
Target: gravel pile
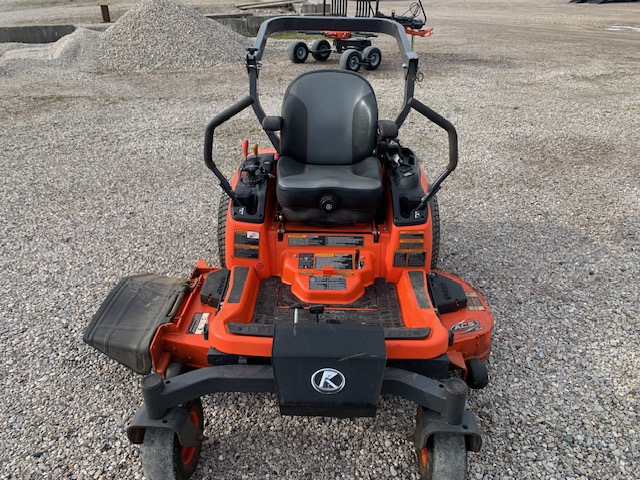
x: 79, y: 50
x: 166, y: 34
x: 102, y: 177
x: 155, y: 35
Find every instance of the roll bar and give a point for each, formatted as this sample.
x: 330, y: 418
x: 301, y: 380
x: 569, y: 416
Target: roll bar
x: 351, y: 24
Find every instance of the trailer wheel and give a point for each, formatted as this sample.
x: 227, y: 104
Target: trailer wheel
x: 373, y: 57
x: 163, y: 458
x: 435, y: 231
x: 223, y: 209
x: 320, y: 50
x: 444, y: 458
x: 350, y: 60
x: 298, y: 52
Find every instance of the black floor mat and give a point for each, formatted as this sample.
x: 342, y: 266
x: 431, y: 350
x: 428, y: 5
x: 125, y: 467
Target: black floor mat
x: 378, y: 306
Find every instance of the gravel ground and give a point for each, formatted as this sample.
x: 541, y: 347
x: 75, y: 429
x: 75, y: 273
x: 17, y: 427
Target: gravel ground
x: 102, y: 177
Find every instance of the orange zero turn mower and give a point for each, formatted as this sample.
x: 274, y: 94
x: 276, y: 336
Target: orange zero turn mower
x: 327, y: 293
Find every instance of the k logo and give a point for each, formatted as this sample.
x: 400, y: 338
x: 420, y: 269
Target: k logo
x: 328, y: 380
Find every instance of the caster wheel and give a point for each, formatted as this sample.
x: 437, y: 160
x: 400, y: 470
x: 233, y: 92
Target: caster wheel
x: 444, y: 458
x: 477, y: 374
x: 163, y: 458
x: 174, y: 369
x: 373, y: 56
x: 320, y: 50
x: 298, y: 52
x: 350, y: 60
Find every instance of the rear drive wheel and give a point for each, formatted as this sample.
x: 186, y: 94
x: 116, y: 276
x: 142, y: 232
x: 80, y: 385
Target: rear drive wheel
x: 320, y: 50
x: 444, y: 458
x: 223, y: 208
x: 350, y: 60
x: 298, y: 52
x: 435, y: 231
x: 163, y: 458
x: 373, y: 56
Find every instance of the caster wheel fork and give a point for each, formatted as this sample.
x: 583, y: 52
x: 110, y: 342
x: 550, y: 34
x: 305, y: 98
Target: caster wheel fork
x: 164, y: 458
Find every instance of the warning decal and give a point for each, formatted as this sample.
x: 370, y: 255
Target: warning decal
x: 327, y: 283
x: 325, y: 241
x: 198, y: 323
x: 246, y: 244
x: 336, y: 260
x: 247, y: 237
x: 410, y: 252
x: 409, y: 258
x: 411, y: 240
x: 473, y: 302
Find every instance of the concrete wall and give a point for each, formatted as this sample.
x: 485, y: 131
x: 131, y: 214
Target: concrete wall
x: 35, y: 33
x: 247, y: 25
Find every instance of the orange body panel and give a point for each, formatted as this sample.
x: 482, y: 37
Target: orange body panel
x: 353, y: 255
x: 337, y: 35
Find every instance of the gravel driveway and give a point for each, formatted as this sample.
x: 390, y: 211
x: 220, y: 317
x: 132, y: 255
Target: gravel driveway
x: 102, y: 176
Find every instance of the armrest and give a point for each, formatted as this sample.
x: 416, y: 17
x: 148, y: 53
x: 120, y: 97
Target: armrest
x: 387, y: 129
x: 272, y: 123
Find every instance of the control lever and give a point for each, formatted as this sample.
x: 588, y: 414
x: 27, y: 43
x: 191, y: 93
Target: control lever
x: 317, y: 309
x: 252, y: 164
x: 245, y: 148
x: 296, y: 307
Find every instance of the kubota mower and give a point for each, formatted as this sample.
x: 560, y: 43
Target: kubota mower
x: 327, y: 294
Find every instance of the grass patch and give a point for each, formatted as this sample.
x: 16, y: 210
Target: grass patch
x: 294, y: 35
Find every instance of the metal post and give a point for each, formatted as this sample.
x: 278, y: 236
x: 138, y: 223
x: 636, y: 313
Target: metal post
x: 152, y: 385
x: 106, y: 18
x: 455, y: 394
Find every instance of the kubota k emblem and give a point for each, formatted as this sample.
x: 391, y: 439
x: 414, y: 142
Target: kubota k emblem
x: 328, y: 380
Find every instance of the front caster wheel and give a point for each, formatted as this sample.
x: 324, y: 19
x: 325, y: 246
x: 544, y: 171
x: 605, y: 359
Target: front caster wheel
x: 444, y: 458
x: 163, y: 458
x: 477, y: 374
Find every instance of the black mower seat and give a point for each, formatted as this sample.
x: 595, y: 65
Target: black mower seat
x: 327, y: 172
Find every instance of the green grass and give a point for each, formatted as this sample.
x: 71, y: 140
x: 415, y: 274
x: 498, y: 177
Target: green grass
x: 294, y: 35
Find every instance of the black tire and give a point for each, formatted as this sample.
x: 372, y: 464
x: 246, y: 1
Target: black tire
x: 350, y: 60
x: 320, y: 50
x: 298, y: 52
x: 444, y: 458
x: 373, y: 57
x: 435, y: 231
x: 174, y: 369
x: 477, y: 374
x: 163, y: 458
x: 223, y: 209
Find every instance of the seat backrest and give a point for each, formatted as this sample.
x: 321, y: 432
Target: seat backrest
x: 329, y: 117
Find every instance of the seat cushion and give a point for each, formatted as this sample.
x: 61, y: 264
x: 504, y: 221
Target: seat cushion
x: 356, y: 187
x: 329, y: 117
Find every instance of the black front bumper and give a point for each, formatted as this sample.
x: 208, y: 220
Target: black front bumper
x: 444, y: 402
